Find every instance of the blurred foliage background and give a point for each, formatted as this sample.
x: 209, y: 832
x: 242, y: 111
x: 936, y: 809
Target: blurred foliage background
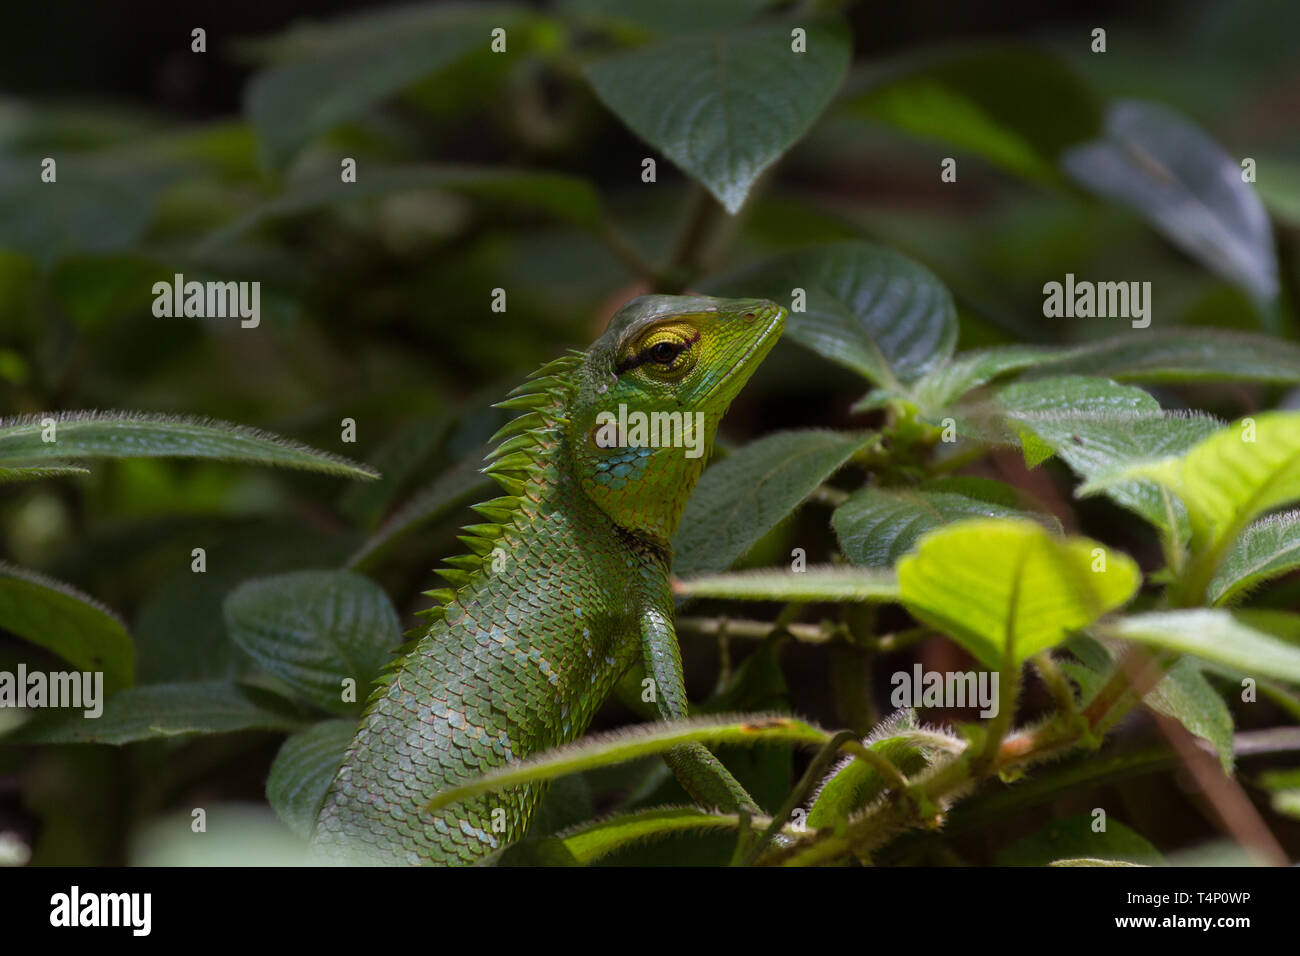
x: 376, y: 297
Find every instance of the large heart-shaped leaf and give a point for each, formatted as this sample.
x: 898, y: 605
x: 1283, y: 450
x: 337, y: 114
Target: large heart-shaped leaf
x: 316, y: 629
x: 867, y: 307
x: 877, y: 526
x: 1006, y: 589
x: 725, y: 106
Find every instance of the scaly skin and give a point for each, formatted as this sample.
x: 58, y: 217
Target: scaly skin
x: 566, y: 588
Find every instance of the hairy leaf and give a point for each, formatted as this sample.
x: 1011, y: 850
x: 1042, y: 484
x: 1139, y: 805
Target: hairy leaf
x: 827, y: 583
x: 1213, y: 635
x: 602, y: 750
x: 61, y: 619
x: 138, y: 435
x: 1266, y: 549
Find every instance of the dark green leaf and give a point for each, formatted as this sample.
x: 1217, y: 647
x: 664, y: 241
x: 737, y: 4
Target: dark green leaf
x: 314, y: 630
x: 749, y: 492
x: 869, y: 308
x: 1184, y: 694
x: 1267, y: 549
x: 724, y: 107
x: 877, y: 526
x: 303, y: 769
x: 138, y: 435
x: 1180, y: 355
x: 164, y: 710
x: 58, y: 617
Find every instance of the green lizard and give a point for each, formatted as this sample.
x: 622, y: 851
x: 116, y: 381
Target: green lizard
x: 565, y: 588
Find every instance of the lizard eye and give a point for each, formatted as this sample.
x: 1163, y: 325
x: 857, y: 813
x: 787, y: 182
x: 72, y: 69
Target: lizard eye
x: 665, y: 352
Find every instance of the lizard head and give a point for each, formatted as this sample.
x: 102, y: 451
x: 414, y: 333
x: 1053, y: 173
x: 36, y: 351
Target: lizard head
x: 651, y: 392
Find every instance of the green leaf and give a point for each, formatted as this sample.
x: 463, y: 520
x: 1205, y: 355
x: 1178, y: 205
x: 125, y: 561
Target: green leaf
x: 592, y: 841
x: 315, y: 629
x: 744, y: 496
x: 938, y: 388
x: 1180, y: 355
x: 855, y: 783
x: 877, y: 526
x: 1073, y: 840
x: 1017, y: 108
x: 1267, y: 549
x: 1008, y: 588
x: 303, y: 769
x: 1096, y: 425
x: 179, y: 630
x: 163, y: 710
x: 868, y: 308
x: 725, y: 106
x: 1227, y: 479
x: 829, y: 583
x: 565, y: 197
x: 633, y: 743
x: 351, y: 64
x: 1215, y: 636
x: 1184, y: 184
x: 61, y: 619
x: 37, y: 473
x: 139, y: 435
x: 1184, y: 694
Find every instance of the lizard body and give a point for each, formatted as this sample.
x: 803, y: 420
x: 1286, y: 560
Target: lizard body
x: 566, y: 586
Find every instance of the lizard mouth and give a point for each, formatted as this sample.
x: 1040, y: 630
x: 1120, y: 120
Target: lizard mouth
x: 764, y: 340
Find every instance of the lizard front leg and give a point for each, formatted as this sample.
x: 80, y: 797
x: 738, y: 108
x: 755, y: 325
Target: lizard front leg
x: 701, y: 773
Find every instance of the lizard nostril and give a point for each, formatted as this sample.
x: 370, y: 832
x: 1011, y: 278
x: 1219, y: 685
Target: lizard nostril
x: 749, y: 316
